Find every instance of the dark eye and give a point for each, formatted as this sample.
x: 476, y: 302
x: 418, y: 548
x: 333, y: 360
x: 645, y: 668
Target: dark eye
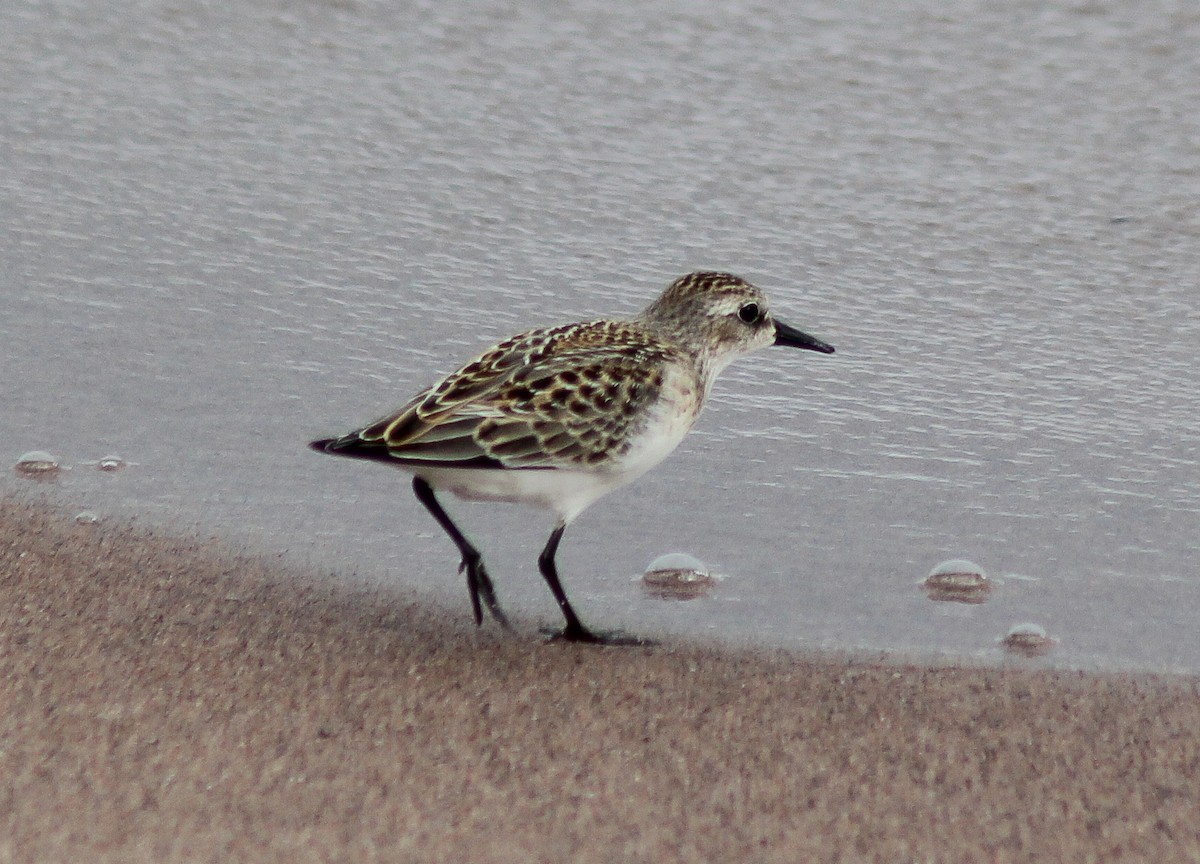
x: 750, y: 313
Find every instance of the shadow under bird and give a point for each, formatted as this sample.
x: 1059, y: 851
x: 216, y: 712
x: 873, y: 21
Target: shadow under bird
x: 558, y: 416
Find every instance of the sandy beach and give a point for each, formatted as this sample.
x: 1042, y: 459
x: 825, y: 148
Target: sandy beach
x: 167, y: 700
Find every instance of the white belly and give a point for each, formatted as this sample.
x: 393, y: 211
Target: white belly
x: 562, y: 491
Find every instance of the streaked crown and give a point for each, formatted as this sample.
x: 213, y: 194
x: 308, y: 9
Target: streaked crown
x: 716, y: 316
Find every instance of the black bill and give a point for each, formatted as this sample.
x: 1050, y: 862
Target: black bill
x: 793, y: 338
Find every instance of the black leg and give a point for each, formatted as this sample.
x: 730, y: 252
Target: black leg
x: 574, y: 631
x: 479, y: 584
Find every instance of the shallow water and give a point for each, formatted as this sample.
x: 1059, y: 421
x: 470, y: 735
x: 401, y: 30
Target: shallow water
x: 229, y: 230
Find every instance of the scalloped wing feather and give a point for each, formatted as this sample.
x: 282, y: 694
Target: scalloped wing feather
x: 567, y: 396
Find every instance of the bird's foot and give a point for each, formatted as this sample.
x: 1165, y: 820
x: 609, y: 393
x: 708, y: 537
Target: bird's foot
x: 479, y: 585
x: 579, y: 633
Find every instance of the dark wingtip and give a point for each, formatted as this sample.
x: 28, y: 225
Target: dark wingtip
x: 355, y: 447
x: 321, y: 445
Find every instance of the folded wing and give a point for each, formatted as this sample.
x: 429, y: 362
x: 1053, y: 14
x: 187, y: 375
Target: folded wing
x: 566, y: 397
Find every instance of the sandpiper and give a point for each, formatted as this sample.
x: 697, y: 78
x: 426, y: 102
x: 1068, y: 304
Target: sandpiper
x: 558, y: 416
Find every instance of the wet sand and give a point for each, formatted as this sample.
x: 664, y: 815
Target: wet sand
x: 167, y: 700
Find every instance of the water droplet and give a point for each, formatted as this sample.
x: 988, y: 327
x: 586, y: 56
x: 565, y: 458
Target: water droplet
x: 1028, y: 640
x: 676, y: 576
x: 959, y: 581
x: 86, y: 517
x: 111, y: 463
x: 37, y: 464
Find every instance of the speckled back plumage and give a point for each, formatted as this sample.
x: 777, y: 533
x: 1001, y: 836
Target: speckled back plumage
x: 555, y: 397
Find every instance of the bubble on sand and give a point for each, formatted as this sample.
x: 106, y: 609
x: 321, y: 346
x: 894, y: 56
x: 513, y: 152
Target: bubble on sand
x: 37, y: 464
x: 86, y: 517
x: 111, y: 463
x: 958, y: 581
x: 1028, y: 640
x: 677, y: 576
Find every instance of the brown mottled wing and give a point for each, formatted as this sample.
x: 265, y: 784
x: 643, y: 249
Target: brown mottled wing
x: 575, y: 411
x: 554, y: 398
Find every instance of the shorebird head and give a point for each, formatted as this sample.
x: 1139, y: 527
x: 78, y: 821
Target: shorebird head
x: 720, y: 316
